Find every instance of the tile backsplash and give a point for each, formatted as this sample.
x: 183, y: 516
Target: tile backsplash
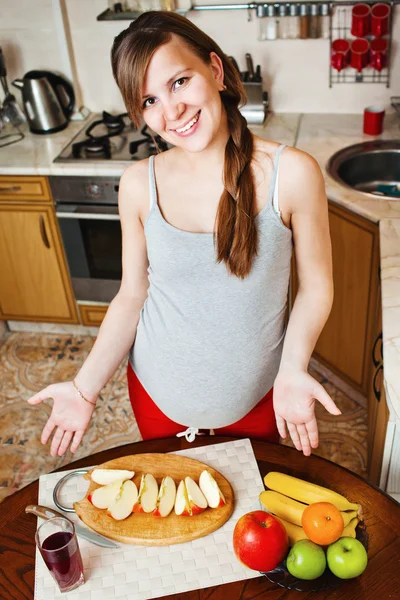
x: 295, y: 72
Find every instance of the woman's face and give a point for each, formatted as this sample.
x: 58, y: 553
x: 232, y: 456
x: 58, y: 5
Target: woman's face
x: 180, y: 97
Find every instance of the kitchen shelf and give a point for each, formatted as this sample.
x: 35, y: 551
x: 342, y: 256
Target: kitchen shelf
x: 110, y: 15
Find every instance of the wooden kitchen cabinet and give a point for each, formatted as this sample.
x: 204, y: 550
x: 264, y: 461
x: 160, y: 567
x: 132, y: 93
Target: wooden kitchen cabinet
x: 346, y: 341
x: 92, y: 315
x: 34, y: 280
x: 378, y: 411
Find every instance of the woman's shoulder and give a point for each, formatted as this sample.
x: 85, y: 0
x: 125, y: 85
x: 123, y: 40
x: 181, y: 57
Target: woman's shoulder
x: 299, y: 163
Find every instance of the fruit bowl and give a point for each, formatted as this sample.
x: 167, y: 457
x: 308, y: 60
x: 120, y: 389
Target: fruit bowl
x: 328, y: 580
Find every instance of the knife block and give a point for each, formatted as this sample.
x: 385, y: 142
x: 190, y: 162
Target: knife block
x: 255, y: 109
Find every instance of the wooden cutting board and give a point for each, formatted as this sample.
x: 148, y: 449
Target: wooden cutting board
x: 144, y: 528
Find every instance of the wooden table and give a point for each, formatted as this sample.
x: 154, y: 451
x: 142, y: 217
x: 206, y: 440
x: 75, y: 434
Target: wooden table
x: 380, y: 581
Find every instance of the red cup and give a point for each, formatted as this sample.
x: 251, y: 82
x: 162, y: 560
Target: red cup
x: 360, y: 20
x: 378, y: 53
x: 359, y: 54
x: 373, y: 120
x: 340, y: 54
x: 380, y: 14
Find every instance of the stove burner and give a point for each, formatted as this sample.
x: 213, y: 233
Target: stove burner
x: 113, y: 137
x: 92, y: 145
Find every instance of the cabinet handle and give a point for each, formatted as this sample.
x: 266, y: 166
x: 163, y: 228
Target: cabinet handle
x: 13, y: 188
x: 374, y: 360
x: 377, y: 392
x: 43, y: 232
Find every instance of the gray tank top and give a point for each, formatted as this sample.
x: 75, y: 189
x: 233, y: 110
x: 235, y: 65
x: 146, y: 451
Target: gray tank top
x: 208, y: 344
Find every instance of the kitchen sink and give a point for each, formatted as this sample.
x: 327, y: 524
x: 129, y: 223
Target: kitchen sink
x: 372, y: 168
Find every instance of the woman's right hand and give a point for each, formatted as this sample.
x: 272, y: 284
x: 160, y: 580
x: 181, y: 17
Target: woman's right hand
x: 70, y: 417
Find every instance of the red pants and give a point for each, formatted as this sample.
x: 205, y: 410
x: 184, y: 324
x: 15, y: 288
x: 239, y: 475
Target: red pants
x: 259, y: 423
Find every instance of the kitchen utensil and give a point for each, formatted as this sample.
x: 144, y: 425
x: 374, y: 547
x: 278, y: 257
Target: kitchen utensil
x: 11, y: 112
x: 48, y: 101
x: 145, y: 529
x: 380, y: 14
x: 250, y: 66
x: 45, y: 512
x: 360, y: 20
x: 257, y: 76
x: 57, y: 543
x: 340, y: 56
x: 255, y: 109
x: 378, y: 53
x: 359, y: 54
x: 373, y: 120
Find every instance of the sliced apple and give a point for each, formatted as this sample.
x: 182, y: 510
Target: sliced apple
x: 122, y: 506
x: 196, y: 498
x: 166, y: 497
x: 181, y: 501
x: 211, y: 490
x: 148, y: 493
x: 103, y: 496
x: 106, y: 476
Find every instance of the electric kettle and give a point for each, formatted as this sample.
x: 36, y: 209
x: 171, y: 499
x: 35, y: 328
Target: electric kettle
x: 48, y: 101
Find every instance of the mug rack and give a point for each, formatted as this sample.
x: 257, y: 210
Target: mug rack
x: 341, y: 15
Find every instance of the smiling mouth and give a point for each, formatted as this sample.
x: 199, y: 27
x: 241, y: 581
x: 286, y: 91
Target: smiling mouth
x: 190, y: 124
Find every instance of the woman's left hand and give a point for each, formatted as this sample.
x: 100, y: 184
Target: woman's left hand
x: 295, y: 393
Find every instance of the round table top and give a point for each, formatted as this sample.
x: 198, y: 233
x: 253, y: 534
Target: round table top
x: 381, y: 514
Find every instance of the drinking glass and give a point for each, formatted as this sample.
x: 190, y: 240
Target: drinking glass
x: 57, y: 543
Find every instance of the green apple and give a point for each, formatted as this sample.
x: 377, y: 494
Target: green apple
x: 306, y: 560
x: 347, y: 558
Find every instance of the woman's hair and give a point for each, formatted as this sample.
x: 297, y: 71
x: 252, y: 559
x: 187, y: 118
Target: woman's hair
x: 236, y: 234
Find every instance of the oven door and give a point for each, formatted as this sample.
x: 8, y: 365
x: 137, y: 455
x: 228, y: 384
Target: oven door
x: 93, y: 245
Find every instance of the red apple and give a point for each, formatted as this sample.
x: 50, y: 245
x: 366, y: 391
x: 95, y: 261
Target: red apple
x: 260, y: 541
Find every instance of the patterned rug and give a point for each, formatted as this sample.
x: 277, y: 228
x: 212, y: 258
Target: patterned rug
x: 30, y: 361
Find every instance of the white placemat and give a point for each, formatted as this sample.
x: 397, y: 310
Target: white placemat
x: 142, y: 572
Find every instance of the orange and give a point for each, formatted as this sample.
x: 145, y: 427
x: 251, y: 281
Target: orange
x: 322, y: 523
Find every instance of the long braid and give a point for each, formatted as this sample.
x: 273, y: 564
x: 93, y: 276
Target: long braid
x: 237, y: 238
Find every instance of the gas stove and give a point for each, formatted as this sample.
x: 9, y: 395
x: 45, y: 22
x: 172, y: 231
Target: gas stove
x: 112, y: 138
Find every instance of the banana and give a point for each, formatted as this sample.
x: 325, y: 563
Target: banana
x: 282, y: 506
x: 294, y: 532
x: 348, y: 516
x: 306, y: 492
x: 350, y: 529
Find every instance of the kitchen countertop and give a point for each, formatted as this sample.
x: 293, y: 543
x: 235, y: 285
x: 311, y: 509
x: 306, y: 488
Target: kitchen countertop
x: 318, y: 134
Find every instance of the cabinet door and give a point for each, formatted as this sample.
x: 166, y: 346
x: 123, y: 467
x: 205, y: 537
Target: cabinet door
x: 34, y: 281
x: 345, y: 343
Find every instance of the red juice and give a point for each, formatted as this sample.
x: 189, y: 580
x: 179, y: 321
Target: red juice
x: 61, y: 554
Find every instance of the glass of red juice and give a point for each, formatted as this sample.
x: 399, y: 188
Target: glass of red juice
x: 56, y: 540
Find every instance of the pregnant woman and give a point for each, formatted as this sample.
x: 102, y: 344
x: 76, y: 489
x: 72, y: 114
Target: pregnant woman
x: 208, y: 229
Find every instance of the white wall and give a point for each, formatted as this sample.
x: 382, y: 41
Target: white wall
x: 295, y: 71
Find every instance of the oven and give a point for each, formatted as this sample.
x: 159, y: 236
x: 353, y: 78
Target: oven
x: 87, y: 213
x: 87, y: 206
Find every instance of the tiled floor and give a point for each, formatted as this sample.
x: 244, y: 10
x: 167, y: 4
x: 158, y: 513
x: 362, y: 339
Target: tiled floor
x: 30, y: 361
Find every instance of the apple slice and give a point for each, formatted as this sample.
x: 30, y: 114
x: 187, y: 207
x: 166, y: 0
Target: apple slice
x: 181, y: 501
x: 122, y: 506
x: 148, y: 493
x: 106, y: 476
x: 103, y: 496
x: 211, y: 490
x: 166, y: 497
x: 196, y: 498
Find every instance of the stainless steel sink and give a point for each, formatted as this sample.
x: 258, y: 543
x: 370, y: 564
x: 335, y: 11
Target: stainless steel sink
x: 372, y: 168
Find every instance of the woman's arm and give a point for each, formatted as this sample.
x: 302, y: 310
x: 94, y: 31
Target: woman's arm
x: 295, y: 391
x: 70, y: 415
x: 118, y: 329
